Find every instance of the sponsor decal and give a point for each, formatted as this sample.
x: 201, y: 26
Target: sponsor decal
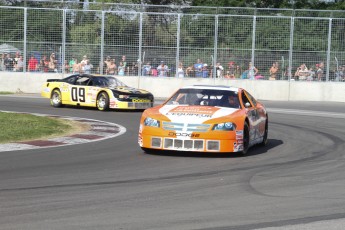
x: 47, y: 90
x: 173, y: 134
x: 140, y: 100
x: 193, y: 111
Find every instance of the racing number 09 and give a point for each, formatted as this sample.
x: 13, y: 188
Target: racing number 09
x: 78, y: 95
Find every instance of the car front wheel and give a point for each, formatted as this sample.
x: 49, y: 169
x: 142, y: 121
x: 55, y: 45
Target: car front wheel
x: 245, y: 139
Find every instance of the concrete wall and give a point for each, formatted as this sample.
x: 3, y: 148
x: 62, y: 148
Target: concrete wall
x: 163, y: 87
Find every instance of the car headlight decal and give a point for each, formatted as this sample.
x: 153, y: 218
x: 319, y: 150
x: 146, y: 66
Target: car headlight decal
x: 226, y: 126
x: 151, y: 122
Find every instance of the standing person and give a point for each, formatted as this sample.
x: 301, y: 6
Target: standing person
x: 76, y: 67
x: 87, y: 67
x: 146, y: 69
x: 71, y: 64
x: 220, y: 70
x: 52, y: 63
x: 32, y: 64
x: 84, y: 60
x: 231, y: 68
x: 162, y: 69
x: 252, y: 71
x: 198, y: 68
x: 180, y: 71
x: 205, y: 71
x: 43, y: 65
x: 124, y: 62
x: 111, y: 68
x: 66, y: 66
x: 238, y: 72
x: 273, y: 71
x: 121, y: 69
x: 320, y: 71
x: 19, y: 64
x: 8, y: 62
x: 2, y: 59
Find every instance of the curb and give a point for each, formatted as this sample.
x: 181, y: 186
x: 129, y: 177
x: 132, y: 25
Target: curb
x: 100, y: 130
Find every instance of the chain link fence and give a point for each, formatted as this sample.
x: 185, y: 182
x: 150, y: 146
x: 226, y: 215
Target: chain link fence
x: 136, y: 40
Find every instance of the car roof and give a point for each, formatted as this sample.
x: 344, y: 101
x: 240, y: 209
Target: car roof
x: 213, y: 87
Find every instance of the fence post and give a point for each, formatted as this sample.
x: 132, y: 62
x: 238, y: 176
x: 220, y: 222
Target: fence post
x: 292, y: 26
x: 178, y: 43
x: 101, y: 71
x: 253, y: 40
x: 25, y: 31
x: 63, y: 41
x: 215, y: 50
x: 140, y: 42
x: 329, y: 48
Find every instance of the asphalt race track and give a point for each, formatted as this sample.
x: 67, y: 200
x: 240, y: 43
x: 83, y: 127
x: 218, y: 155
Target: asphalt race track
x: 296, y: 182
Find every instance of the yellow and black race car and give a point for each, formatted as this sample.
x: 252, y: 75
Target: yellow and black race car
x: 103, y: 92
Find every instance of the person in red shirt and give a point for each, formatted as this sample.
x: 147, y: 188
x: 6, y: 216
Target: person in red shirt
x: 33, y: 63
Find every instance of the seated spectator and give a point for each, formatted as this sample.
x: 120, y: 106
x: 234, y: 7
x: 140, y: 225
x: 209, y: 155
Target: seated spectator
x: 32, y: 64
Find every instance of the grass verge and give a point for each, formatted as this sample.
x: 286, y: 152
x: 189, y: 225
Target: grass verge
x: 23, y: 127
x: 5, y: 93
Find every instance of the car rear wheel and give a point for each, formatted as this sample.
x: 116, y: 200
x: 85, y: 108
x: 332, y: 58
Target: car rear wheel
x: 265, y: 140
x: 55, y: 98
x: 245, y: 139
x: 102, y: 101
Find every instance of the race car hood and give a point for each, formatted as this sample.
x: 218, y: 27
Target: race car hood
x: 129, y: 90
x: 194, y: 114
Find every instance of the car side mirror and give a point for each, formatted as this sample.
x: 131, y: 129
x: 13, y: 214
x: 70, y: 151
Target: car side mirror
x: 247, y: 105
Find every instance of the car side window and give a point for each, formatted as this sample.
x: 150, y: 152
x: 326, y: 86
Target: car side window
x: 251, y: 98
x: 245, y: 100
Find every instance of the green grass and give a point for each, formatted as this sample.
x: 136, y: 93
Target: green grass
x: 4, y: 93
x: 20, y: 127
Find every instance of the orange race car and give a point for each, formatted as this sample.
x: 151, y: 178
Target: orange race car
x: 205, y: 119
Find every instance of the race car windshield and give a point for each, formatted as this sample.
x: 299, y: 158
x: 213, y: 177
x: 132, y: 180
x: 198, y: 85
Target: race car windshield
x: 113, y: 82
x: 205, y: 97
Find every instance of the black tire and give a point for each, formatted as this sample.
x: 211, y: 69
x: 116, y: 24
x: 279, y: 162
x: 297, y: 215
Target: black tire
x: 55, y: 98
x: 245, y: 139
x: 265, y: 140
x: 102, y: 102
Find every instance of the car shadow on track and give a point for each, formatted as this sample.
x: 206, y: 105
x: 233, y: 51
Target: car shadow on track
x: 255, y: 150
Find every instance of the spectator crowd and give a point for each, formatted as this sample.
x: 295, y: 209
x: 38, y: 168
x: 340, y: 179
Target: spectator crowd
x: 110, y: 66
